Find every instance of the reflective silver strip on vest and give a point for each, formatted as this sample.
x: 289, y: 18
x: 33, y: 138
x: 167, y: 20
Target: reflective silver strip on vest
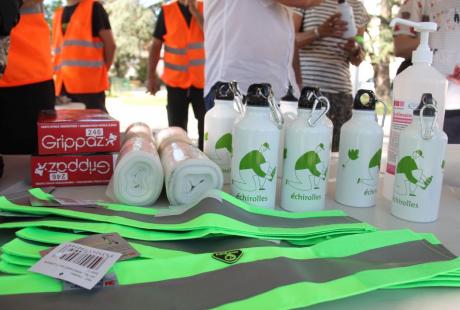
x: 174, y: 50
x: 212, y: 244
x: 35, y: 9
x: 224, y: 286
x: 245, y: 280
x: 175, y: 67
x: 80, y: 63
x: 196, y: 62
x: 195, y: 46
x: 83, y: 43
x: 214, y: 206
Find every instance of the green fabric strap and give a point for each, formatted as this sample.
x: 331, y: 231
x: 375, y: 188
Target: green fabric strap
x: 280, y: 277
x: 14, y: 269
x: 42, y: 195
x: 215, y: 216
x: 156, y: 250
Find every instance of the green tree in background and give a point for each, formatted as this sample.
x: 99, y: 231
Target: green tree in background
x: 50, y: 8
x: 380, y: 47
x: 132, y: 26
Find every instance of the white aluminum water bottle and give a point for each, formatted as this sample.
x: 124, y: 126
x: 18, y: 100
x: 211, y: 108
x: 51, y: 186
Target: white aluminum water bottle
x: 360, y: 152
x: 218, y: 126
x: 288, y: 107
x: 308, y: 147
x: 349, y: 17
x: 419, y: 170
x: 256, y: 138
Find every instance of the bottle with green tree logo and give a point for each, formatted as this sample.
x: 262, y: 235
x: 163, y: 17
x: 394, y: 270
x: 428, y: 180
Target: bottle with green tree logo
x: 360, y: 152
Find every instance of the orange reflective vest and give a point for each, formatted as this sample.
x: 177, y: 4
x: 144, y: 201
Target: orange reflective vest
x: 183, y: 49
x: 29, y: 57
x: 78, y: 57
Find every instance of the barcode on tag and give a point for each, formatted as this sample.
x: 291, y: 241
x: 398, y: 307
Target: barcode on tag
x: 84, y: 259
x: 79, y: 264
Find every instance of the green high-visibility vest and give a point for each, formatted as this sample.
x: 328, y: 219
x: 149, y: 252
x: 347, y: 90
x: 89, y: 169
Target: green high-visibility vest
x: 279, y: 277
x: 218, y: 213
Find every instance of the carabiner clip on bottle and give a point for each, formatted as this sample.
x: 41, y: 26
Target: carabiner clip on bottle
x: 428, y: 132
x: 276, y: 111
x: 238, y: 97
x: 323, y: 101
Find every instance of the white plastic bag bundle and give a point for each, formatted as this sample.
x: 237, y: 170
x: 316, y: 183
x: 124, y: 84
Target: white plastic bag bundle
x: 189, y: 173
x: 138, y: 176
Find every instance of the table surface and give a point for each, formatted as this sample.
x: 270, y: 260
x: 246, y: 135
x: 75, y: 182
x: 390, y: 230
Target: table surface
x: 446, y: 228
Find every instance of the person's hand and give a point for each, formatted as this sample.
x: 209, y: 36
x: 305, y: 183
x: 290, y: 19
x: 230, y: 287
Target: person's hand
x: 354, y: 51
x: 193, y: 7
x: 351, y: 47
x: 334, y: 26
x: 153, y: 84
x: 306, y: 4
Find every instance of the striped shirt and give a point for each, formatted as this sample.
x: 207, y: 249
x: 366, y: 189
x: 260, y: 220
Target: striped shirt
x: 323, y: 62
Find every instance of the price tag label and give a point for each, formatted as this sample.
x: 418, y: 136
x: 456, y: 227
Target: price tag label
x: 78, y: 264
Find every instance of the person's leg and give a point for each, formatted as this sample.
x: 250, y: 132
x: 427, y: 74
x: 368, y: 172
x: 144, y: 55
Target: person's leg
x: 452, y: 126
x: 18, y: 115
x: 92, y: 101
x: 340, y: 113
x: 177, y: 107
x: 196, y: 97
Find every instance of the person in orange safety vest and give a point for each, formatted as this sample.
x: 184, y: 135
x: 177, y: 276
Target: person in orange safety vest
x: 83, y: 50
x: 179, y: 30
x: 26, y: 86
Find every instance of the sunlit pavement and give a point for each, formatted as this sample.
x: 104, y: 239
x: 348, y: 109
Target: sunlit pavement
x: 155, y: 115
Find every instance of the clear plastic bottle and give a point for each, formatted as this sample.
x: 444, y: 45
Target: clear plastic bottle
x: 218, y: 126
x: 308, y: 148
x: 408, y: 87
x: 256, y: 138
x: 349, y: 17
x: 419, y: 172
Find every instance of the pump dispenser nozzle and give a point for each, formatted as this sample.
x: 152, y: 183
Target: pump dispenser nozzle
x: 290, y: 95
x: 423, y: 53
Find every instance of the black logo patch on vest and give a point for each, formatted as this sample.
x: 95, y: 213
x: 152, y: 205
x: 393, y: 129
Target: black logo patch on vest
x: 228, y: 257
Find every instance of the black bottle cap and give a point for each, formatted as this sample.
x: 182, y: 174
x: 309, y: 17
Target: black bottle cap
x: 365, y: 100
x: 224, y: 91
x: 258, y: 95
x: 290, y: 95
x: 308, y: 97
x: 427, y: 98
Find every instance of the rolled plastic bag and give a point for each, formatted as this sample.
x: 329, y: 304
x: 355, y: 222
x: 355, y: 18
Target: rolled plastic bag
x: 138, y: 130
x: 169, y: 135
x: 138, y: 176
x: 189, y: 173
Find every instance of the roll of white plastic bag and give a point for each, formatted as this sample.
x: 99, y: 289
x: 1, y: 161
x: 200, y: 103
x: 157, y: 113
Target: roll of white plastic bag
x: 189, y: 173
x: 138, y: 177
x: 138, y: 130
x: 171, y: 134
